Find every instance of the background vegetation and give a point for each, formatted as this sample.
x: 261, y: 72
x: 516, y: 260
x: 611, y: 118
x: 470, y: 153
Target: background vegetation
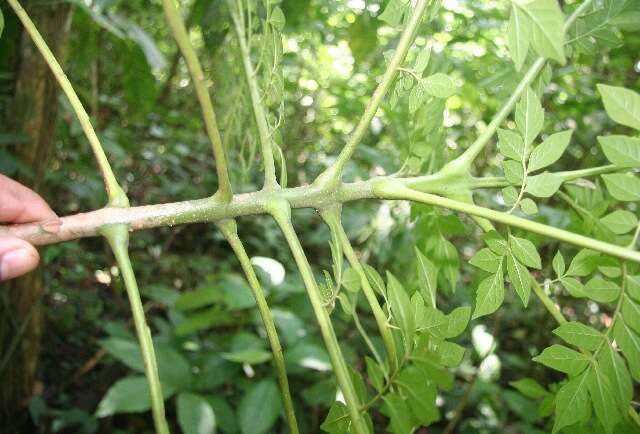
x: 209, y: 339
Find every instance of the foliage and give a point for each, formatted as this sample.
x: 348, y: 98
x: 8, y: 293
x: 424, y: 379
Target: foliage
x: 392, y: 357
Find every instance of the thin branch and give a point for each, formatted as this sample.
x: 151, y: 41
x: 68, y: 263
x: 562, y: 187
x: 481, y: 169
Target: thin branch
x: 230, y: 232
x: 281, y: 212
x: 468, y: 156
x: 117, y: 197
x: 266, y: 139
x: 393, y: 190
x: 406, y: 39
x: 193, y: 64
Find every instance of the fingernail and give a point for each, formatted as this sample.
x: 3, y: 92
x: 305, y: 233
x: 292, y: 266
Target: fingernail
x: 15, y: 263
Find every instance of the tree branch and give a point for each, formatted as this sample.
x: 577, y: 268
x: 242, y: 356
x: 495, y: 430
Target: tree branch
x: 193, y: 64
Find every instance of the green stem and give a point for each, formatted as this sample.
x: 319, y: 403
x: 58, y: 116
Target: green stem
x: 547, y: 302
x: 365, y: 336
x: 118, y: 238
x: 197, y: 75
x: 332, y: 217
x: 281, y: 212
x: 230, y: 232
x: 406, y: 39
x: 270, y: 181
x: 468, y: 156
x: 389, y: 189
x: 117, y: 197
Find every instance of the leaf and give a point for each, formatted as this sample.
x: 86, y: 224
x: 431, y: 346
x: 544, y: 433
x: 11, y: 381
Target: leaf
x: 428, y: 275
x: 603, y: 399
x: 510, y: 144
x: 603, y: 291
x: 520, y: 278
x: 420, y: 394
x: 496, y: 242
x: 622, y: 105
x: 417, y: 97
x: 1, y: 23
x: 126, y: 351
x: 547, y: 23
x: 580, y: 335
x: 195, y: 415
x: 393, y: 13
x: 252, y: 357
x: 519, y: 34
x: 529, y: 116
x: 490, y: 294
x: 631, y: 312
x: 374, y: 373
x: 439, y: 85
x: 528, y: 206
x: 633, y: 287
x: 529, y: 388
x: 629, y: 342
x: 525, y: 252
x: 558, y: 264
x: 563, y: 359
x: 402, y: 310
x: 623, y: 151
x: 543, y: 185
x: 128, y: 395
x: 337, y: 421
x: 549, y: 151
x: 575, y: 288
x: 620, y: 221
x: 613, y: 367
x: 200, y: 297
x: 397, y: 410
x: 583, y: 263
x: 375, y: 279
x: 422, y: 60
x: 625, y: 187
x: 457, y: 321
x: 351, y: 280
x: 277, y: 19
x: 513, y: 172
x: 486, y: 260
x: 259, y: 408
x: 572, y: 403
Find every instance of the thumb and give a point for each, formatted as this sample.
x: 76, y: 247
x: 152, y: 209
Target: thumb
x: 17, y: 257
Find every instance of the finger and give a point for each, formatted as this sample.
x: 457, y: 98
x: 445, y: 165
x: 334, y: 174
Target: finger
x: 19, y: 204
x: 17, y: 257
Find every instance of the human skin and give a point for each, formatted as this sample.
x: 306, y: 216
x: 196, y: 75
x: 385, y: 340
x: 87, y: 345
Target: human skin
x: 19, y: 204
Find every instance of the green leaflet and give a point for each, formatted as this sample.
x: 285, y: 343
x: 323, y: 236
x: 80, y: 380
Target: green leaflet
x: 547, y: 25
x: 563, y: 359
x: 420, y: 395
x: 398, y: 412
x: 574, y: 287
x: 543, y: 185
x: 276, y: 18
x: 519, y: 32
x: 439, y: 85
x: 510, y: 144
x: 195, y: 414
x: 259, y: 407
x: 486, y: 260
x: 620, y: 221
x: 402, y: 310
x: 525, y: 252
x: 128, y: 395
x: 629, y: 342
x: 529, y: 116
x: 601, y: 290
x: 428, y: 276
x: 623, y: 151
x: 513, y: 172
x: 558, y: 264
x: 580, y: 335
x: 520, y: 278
x: 623, y: 186
x: 572, y: 403
x: 549, y: 151
x: 613, y: 367
x: 490, y: 294
x: 529, y: 388
x: 603, y: 399
x: 394, y: 12
x: 631, y: 312
x: 583, y: 263
x: 622, y: 105
x: 337, y: 421
x: 528, y: 206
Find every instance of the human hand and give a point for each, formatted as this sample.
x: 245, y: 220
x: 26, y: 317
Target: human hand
x: 19, y: 204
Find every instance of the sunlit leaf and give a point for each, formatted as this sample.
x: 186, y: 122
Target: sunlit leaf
x: 623, y: 151
x: 622, y: 105
x: 549, y: 151
x: 563, y: 359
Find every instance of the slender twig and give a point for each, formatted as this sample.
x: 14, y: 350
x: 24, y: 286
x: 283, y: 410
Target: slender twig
x: 199, y: 82
x: 463, y: 162
x: 406, y: 39
x: 117, y: 197
x: 230, y: 232
x: 118, y: 237
x: 266, y: 140
x: 281, y: 212
x: 365, y: 336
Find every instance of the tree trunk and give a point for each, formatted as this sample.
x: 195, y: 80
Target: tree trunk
x: 33, y: 112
